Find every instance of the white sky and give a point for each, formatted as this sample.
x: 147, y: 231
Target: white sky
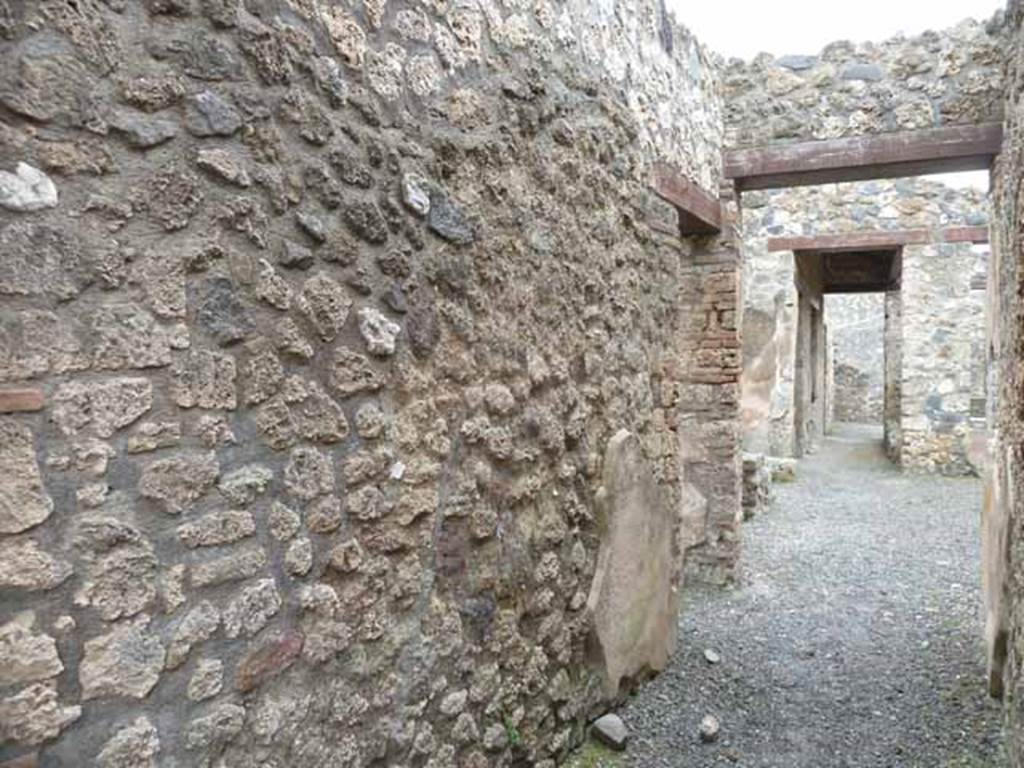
x: 745, y: 28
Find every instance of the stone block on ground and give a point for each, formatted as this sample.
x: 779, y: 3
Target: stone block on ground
x: 633, y: 600
x: 757, y: 485
x: 611, y: 731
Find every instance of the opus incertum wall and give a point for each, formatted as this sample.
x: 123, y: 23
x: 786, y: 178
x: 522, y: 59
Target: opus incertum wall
x: 1002, y: 520
x: 338, y: 343
x: 938, y: 79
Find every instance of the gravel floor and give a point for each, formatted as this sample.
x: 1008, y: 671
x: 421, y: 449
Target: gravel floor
x: 853, y: 639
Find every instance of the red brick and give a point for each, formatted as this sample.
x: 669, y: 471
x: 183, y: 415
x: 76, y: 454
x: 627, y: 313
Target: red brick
x: 269, y: 660
x: 21, y: 400
x: 25, y: 761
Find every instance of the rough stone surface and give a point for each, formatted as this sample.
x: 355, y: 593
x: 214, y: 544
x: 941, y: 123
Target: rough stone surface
x: 27, y: 189
x: 136, y: 745
x: 757, y: 485
x: 24, y: 503
x: 378, y: 332
x: 948, y: 78
x: 24, y: 565
x: 34, y: 715
x: 125, y: 662
x: 207, y: 680
x: 26, y: 655
x: 176, y: 483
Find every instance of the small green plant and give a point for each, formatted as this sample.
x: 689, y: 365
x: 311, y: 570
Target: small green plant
x: 512, y: 733
x: 593, y: 755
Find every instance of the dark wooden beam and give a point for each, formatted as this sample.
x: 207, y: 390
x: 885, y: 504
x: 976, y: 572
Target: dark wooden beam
x: 879, y: 287
x: 877, y: 240
x: 851, y: 241
x: 858, y: 158
x: 976, y: 235
x: 699, y: 212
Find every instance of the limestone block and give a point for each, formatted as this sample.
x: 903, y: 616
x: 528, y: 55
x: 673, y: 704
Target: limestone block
x: 205, y: 379
x: 298, y: 558
x: 134, y: 746
x: 217, y: 528
x: 220, y: 726
x: 326, y: 304
x: 207, y: 680
x: 26, y: 656
x: 177, y: 482
x: 232, y: 567
x: 125, y: 662
x: 198, y: 625
x: 27, y: 189
x: 378, y: 332
x: 127, y: 336
x: 24, y: 502
x: 244, y: 484
x: 252, y: 609
x: 34, y: 715
x: 121, y: 566
x: 309, y: 473
x: 24, y: 565
x: 632, y: 603
x: 107, y: 406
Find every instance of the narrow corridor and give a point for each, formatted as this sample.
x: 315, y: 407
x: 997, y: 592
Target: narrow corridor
x: 854, y: 638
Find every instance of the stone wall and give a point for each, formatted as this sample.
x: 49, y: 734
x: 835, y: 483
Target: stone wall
x: 1002, y: 519
x: 349, y: 341
x: 856, y: 323
x: 945, y: 318
x: 953, y: 77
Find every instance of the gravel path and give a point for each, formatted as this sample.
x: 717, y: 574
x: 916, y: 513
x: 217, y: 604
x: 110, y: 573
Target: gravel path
x: 853, y: 639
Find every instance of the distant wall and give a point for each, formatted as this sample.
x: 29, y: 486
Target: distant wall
x: 943, y: 322
x: 857, y: 325
x: 953, y: 77
x: 938, y: 333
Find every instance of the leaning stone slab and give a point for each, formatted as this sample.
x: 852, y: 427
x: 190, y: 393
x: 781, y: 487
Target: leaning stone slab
x: 632, y: 602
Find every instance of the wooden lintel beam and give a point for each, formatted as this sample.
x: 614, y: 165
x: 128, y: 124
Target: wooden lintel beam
x: 700, y: 213
x: 850, y: 242
x: 858, y: 158
x: 878, y: 287
x: 976, y: 235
